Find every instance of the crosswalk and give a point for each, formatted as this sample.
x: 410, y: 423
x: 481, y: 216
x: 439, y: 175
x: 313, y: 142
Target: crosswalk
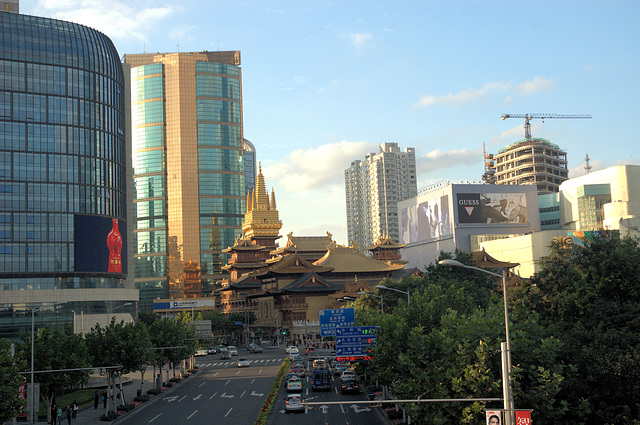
x: 233, y: 362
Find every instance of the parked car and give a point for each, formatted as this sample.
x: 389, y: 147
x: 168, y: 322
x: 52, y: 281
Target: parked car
x: 349, y: 386
x: 233, y: 350
x: 294, y: 384
x: 293, y: 403
x: 243, y: 362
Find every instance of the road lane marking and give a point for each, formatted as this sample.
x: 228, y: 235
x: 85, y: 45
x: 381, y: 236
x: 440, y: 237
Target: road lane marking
x: 227, y: 381
x: 242, y: 394
x: 238, y: 373
x: 336, y: 390
x: 155, y: 418
x: 202, y: 384
x: 216, y: 373
x: 214, y: 394
x: 253, y: 380
x: 192, y: 414
x: 197, y: 398
x: 182, y: 399
x: 342, y: 408
x: 260, y: 371
x: 228, y: 412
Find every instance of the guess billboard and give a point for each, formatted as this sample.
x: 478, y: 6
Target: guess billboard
x: 492, y: 208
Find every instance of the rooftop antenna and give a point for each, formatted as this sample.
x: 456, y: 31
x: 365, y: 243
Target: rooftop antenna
x: 587, y: 166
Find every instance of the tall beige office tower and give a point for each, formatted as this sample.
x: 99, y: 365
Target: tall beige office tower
x: 188, y: 168
x: 373, y: 189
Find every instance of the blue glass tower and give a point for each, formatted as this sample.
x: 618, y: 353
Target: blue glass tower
x: 63, y: 179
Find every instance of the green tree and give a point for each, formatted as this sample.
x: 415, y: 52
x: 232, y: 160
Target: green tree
x: 56, y: 351
x: 10, y: 380
x: 173, y: 340
x: 589, y: 298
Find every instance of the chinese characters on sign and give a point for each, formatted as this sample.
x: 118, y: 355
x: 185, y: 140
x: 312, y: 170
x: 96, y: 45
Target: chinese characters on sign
x: 337, y: 317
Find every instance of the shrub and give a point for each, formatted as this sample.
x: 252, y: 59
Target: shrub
x: 153, y: 391
x: 142, y: 398
x: 174, y: 380
x: 108, y: 417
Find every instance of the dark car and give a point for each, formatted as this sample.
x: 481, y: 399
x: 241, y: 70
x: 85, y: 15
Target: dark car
x: 255, y: 349
x: 349, y: 386
x: 224, y: 355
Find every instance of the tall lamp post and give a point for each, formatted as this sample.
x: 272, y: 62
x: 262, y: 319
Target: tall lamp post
x: 396, y: 290
x: 33, y: 332
x: 374, y: 295
x: 507, y: 392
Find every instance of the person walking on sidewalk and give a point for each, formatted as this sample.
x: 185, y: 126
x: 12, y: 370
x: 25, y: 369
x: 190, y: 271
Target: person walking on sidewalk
x: 96, y: 399
x: 59, y: 415
x: 74, y: 407
x: 54, y: 414
x: 69, y: 414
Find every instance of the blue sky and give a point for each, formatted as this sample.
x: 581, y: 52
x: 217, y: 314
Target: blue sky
x: 325, y: 82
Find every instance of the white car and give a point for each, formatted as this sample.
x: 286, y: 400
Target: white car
x: 291, y: 347
x: 294, y: 384
x: 243, y: 362
x: 293, y: 403
x: 348, y: 374
x: 233, y: 350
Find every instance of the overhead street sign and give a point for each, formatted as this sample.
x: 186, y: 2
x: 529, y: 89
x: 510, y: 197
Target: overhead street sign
x: 332, y: 318
x: 355, y: 341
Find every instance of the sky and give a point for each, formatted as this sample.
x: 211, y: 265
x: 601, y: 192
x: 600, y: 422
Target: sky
x: 326, y: 82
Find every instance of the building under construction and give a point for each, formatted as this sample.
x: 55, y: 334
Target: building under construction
x: 530, y: 161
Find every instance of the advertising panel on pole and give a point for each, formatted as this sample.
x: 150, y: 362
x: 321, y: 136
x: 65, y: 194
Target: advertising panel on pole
x: 332, y: 318
x: 100, y: 244
x: 22, y: 395
x: 523, y: 417
x: 492, y: 208
x: 494, y: 417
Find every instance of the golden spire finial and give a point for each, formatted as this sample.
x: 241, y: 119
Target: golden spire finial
x: 249, y: 201
x: 273, y: 199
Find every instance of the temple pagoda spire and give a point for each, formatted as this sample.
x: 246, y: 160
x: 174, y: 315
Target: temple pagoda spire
x: 261, y: 221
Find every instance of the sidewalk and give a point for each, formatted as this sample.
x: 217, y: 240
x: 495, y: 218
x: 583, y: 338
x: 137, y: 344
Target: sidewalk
x: 130, y: 386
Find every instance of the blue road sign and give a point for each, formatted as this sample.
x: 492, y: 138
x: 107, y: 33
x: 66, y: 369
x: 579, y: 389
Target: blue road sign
x: 355, y: 340
x: 332, y: 318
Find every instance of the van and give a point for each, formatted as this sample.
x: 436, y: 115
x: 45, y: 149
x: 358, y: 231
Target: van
x: 321, y: 380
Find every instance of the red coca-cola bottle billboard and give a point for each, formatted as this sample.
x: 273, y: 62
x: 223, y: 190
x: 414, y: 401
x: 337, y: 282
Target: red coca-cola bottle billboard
x: 114, y: 243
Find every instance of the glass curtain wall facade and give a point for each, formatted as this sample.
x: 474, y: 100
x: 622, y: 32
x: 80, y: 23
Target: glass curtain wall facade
x: 62, y: 166
x: 188, y: 167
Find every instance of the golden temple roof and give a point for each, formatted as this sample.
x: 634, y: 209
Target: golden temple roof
x: 291, y: 264
x: 305, y: 244
x: 385, y: 242
x: 345, y: 259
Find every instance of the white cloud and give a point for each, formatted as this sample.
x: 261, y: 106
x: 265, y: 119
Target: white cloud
x: 535, y: 85
x: 358, y: 39
x: 472, y: 94
x: 300, y: 80
x: 180, y: 33
x: 438, y: 160
x: 310, y: 169
x: 117, y: 19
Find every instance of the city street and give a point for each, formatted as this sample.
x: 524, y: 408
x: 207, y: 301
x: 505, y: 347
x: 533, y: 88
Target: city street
x: 221, y: 392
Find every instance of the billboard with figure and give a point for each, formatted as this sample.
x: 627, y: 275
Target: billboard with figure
x: 100, y: 244
x: 492, y: 208
x: 429, y: 220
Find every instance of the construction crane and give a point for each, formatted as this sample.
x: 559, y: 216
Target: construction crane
x: 529, y: 117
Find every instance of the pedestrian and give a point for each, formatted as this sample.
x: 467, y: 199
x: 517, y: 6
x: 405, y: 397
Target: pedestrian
x: 96, y: 399
x: 69, y: 414
x: 54, y: 414
x: 74, y: 408
x: 60, y: 415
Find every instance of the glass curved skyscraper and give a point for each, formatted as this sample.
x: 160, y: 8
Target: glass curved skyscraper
x: 63, y: 179
x: 188, y: 168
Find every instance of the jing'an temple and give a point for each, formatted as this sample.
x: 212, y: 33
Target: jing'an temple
x: 286, y: 287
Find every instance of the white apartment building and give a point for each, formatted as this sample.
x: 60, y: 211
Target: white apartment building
x: 373, y: 189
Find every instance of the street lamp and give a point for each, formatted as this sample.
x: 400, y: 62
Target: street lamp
x: 33, y: 327
x: 507, y: 392
x: 397, y: 290
x: 115, y: 308
x: 374, y: 295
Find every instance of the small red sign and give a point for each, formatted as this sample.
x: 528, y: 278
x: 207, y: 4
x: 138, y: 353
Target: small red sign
x: 523, y: 417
